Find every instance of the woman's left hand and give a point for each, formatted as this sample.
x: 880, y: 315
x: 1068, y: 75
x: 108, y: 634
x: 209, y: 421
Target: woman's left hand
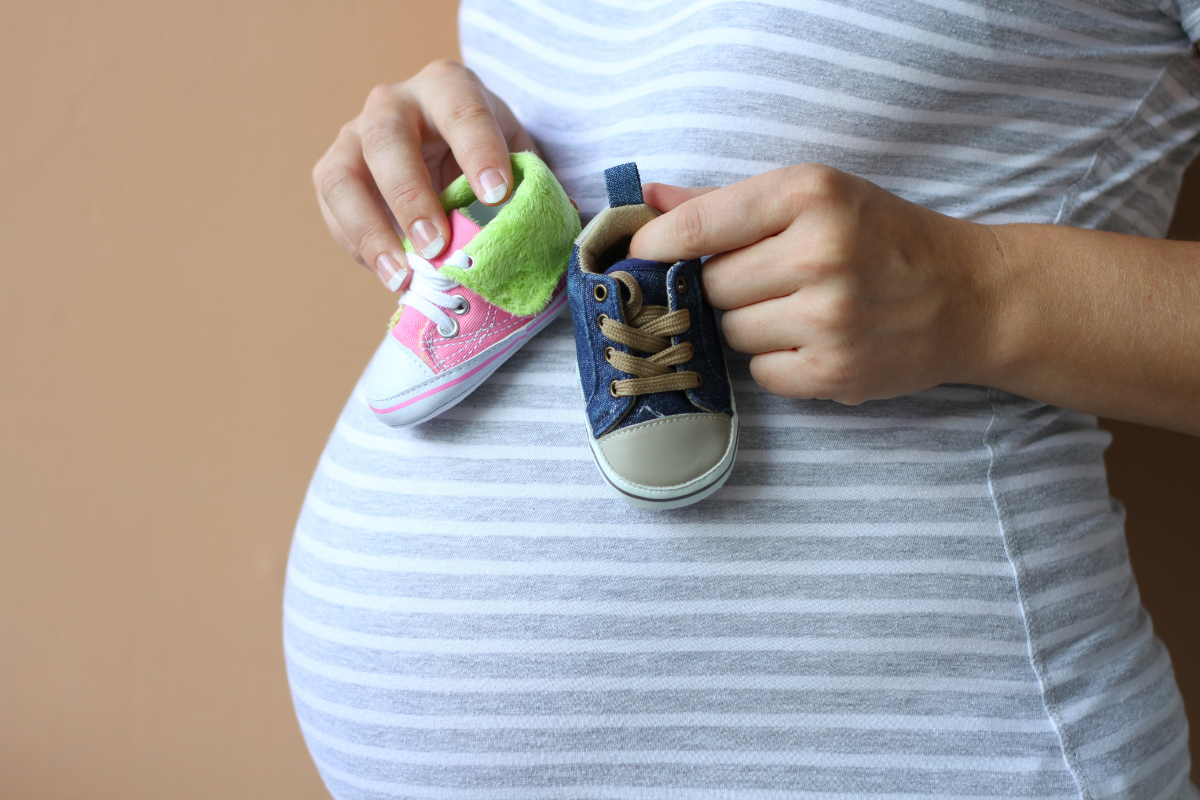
x: 841, y: 290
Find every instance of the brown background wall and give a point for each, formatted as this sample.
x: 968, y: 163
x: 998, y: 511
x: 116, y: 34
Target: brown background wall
x: 177, y: 335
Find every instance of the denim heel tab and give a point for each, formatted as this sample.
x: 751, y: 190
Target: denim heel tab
x: 624, y: 185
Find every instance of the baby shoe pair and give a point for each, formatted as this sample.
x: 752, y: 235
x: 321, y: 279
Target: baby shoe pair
x: 661, y: 420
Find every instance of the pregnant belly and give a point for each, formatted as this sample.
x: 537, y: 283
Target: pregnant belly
x: 471, y: 613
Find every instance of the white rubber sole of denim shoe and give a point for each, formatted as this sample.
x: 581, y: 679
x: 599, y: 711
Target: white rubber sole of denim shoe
x: 430, y: 398
x: 684, y: 494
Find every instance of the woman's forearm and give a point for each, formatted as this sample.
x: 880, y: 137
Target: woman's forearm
x: 1098, y: 322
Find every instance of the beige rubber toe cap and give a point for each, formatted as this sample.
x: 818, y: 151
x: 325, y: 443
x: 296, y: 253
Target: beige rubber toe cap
x: 672, y: 451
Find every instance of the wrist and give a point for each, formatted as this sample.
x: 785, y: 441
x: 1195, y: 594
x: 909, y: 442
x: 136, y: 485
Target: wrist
x: 996, y: 319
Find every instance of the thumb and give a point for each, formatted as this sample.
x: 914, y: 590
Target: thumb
x: 664, y: 197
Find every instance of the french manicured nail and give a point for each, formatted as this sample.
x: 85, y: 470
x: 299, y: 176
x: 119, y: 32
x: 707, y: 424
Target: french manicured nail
x: 427, y: 238
x: 390, y: 272
x: 494, y: 186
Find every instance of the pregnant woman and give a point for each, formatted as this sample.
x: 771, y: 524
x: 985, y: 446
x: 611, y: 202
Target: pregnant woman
x: 938, y: 233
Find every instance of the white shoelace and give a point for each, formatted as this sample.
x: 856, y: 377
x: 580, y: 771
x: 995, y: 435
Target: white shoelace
x: 428, y: 291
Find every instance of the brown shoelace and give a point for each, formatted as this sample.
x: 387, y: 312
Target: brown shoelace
x: 648, y: 331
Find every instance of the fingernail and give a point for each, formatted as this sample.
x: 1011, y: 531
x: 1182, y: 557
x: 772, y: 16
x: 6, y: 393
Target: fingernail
x: 494, y: 186
x: 427, y: 238
x: 390, y: 272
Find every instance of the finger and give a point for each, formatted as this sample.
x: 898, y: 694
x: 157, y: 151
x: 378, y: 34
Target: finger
x: 731, y: 217
x: 354, y: 208
x: 522, y: 142
x: 515, y: 135
x: 811, y: 373
x: 763, y: 327
x: 391, y: 133
x: 380, y: 269
x: 664, y: 197
x: 338, y: 234
x: 783, y: 373
x: 464, y: 113
x: 752, y: 274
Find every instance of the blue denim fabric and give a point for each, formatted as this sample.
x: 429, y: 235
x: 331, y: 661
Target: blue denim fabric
x: 658, y: 284
x: 708, y: 359
x: 624, y: 185
x: 595, y: 374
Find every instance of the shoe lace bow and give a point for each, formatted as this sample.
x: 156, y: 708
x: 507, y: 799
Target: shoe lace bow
x: 429, y: 292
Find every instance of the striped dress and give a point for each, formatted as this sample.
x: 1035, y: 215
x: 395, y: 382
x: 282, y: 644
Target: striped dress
x: 915, y: 598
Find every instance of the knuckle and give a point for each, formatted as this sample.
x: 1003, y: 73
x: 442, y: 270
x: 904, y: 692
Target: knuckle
x: 370, y: 239
x: 406, y: 193
x: 442, y: 68
x: 380, y: 93
x: 334, y: 182
x: 816, y: 184
x: 475, y: 152
x: 832, y: 252
x: 715, y: 288
x: 467, y: 112
x: 820, y: 373
x: 692, y: 227
x: 821, y: 180
x: 731, y: 327
x: 380, y: 134
x: 832, y: 312
x: 774, y: 377
x: 832, y: 371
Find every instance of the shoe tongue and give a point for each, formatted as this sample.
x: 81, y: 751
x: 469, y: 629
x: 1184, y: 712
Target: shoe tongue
x: 650, y: 275
x: 465, y: 225
x: 462, y: 231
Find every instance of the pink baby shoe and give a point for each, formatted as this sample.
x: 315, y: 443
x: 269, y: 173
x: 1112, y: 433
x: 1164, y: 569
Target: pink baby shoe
x: 498, y: 282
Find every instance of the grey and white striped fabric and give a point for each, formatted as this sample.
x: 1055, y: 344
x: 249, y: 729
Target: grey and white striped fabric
x: 924, y: 597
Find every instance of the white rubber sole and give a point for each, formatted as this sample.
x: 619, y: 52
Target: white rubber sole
x: 427, y: 400
x: 684, y: 494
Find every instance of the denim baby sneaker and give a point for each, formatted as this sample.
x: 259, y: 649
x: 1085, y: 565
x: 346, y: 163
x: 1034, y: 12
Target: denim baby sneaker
x: 661, y: 419
x: 498, y: 282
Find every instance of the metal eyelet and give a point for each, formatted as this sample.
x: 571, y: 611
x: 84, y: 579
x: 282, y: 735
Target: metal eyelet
x: 608, y: 351
x: 680, y: 284
x: 600, y: 293
x: 453, y: 331
x: 612, y: 389
x: 699, y: 381
x: 463, y: 307
x: 600, y: 320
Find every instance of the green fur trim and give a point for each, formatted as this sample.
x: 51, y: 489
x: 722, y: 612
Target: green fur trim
x: 459, y: 195
x: 519, y: 256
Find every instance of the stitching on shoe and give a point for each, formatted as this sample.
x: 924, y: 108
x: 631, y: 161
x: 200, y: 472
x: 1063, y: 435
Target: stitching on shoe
x: 433, y: 346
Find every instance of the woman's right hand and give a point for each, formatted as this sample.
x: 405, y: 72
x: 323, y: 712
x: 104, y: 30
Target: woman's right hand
x: 388, y: 165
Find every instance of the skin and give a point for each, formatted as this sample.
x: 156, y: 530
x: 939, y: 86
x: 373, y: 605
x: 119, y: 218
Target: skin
x: 839, y: 289
x: 389, y: 164
x: 844, y: 291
